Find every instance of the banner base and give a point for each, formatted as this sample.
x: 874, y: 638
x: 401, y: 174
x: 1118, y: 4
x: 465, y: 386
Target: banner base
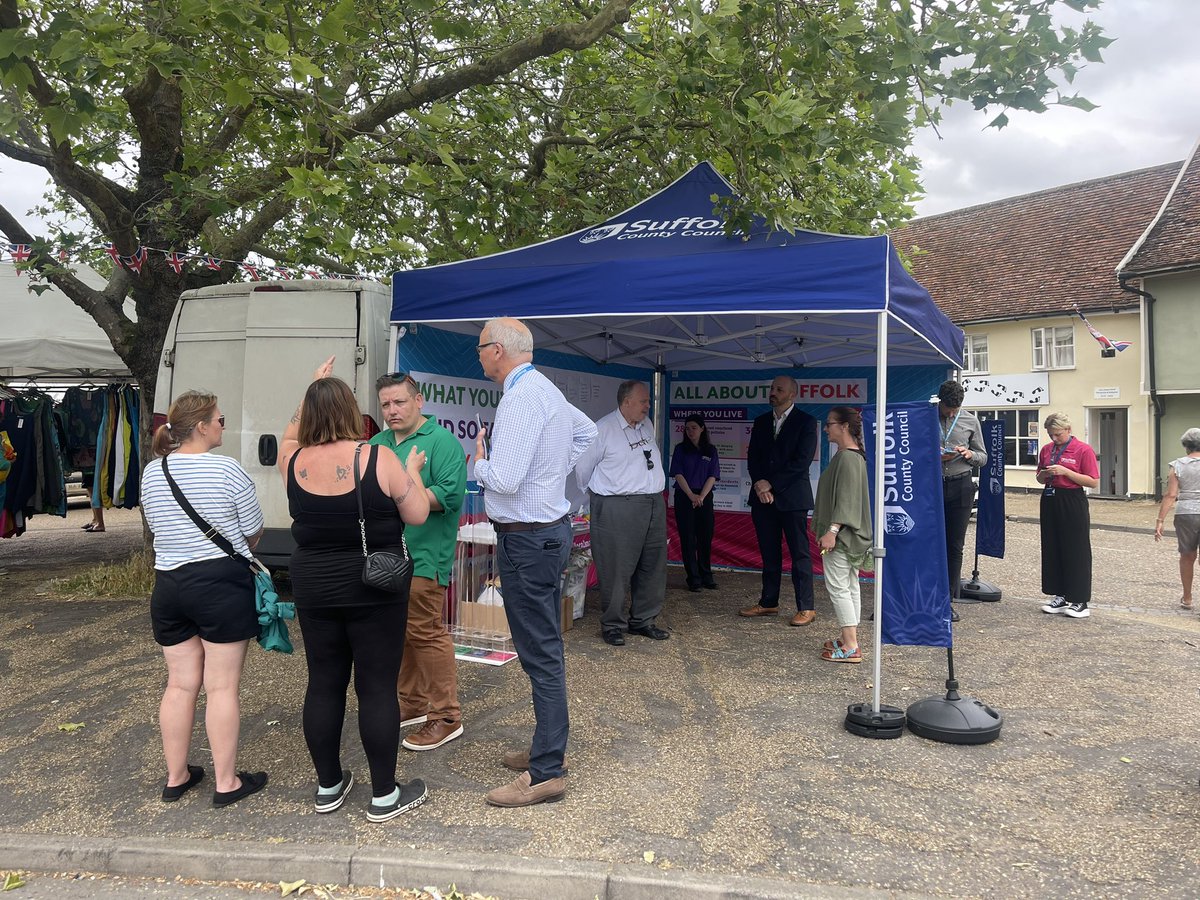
x: 886, y: 724
x: 954, y: 720
x: 976, y: 591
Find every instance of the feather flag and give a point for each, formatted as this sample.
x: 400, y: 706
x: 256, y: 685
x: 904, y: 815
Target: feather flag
x: 1101, y: 339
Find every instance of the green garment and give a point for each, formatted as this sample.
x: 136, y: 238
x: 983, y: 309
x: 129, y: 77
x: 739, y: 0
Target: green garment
x: 431, y: 545
x: 843, y: 497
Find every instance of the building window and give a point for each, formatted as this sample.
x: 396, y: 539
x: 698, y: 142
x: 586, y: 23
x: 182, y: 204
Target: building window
x: 975, y: 355
x: 1020, y: 433
x: 1054, y: 348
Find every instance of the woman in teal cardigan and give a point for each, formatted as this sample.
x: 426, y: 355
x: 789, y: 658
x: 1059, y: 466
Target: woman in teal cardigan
x: 842, y: 521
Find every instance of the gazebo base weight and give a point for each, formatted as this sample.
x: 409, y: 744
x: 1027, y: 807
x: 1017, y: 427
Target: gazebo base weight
x: 886, y: 724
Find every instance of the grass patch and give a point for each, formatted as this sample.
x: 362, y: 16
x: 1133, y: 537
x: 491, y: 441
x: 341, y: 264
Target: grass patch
x: 132, y: 578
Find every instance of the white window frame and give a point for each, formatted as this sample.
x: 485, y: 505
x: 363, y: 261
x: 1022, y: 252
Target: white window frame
x: 1053, y: 347
x: 975, y: 346
x: 1020, y: 444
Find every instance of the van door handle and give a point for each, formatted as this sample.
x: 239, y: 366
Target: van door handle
x: 268, y: 450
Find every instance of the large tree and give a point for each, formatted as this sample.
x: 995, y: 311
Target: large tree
x: 373, y: 135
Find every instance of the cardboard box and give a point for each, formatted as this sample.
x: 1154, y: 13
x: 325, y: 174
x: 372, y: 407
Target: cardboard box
x: 485, y: 618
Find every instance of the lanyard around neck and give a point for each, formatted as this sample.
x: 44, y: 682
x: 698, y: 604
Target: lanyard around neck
x: 1055, y: 457
x: 521, y: 373
x: 947, y: 432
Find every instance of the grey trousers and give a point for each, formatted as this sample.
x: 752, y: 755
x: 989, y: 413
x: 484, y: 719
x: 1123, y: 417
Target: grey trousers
x: 629, y: 547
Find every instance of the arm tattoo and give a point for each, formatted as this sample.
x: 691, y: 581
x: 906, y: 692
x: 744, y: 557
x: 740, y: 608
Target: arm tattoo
x: 296, y: 416
x: 304, y: 474
x: 342, y: 472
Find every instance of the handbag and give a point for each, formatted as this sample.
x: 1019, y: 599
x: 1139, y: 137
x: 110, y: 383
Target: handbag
x: 272, y: 613
x: 382, y: 570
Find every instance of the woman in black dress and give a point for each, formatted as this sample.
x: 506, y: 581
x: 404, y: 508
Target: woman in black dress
x: 345, y: 623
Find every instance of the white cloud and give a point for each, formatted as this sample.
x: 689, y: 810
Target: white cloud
x: 1149, y: 113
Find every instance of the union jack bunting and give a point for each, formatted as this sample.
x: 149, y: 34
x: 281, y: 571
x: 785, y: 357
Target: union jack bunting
x: 211, y: 262
x: 252, y: 271
x: 20, y: 252
x: 282, y: 272
x: 134, y: 263
x: 111, y: 250
x: 176, y: 261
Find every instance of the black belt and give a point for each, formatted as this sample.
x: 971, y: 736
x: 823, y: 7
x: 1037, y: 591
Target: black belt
x: 506, y: 527
x: 956, y: 477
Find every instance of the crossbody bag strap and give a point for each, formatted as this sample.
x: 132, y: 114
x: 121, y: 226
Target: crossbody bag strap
x: 362, y: 521
x: 209, y: 531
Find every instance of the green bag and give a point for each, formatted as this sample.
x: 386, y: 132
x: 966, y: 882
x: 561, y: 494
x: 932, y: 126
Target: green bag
x: 272, y: 613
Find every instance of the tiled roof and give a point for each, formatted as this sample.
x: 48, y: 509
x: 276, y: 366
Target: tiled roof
x: 1173, y: 241
x: 1036, y: 254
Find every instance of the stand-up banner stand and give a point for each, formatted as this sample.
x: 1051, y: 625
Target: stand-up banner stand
x: 989, y: 515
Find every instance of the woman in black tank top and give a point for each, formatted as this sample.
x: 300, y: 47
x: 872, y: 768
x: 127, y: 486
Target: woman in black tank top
x: 345, y: 624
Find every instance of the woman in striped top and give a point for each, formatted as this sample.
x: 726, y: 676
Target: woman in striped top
x: 202, y: 608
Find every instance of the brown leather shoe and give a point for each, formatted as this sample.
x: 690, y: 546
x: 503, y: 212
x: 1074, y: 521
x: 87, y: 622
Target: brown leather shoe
x: 518, y: 761
x: 757, y: 610
x: 432, y: 735
x: 804, y: 617
x: 519, y: 792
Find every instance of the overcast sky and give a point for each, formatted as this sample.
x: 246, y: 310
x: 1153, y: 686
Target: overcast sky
x: 1148, y: 92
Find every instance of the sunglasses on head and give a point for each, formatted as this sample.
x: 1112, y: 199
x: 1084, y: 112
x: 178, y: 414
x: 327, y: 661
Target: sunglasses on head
x: 405, y: 378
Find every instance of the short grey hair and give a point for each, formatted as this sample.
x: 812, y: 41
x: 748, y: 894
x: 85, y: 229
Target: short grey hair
x: 515, y: 341
x: 626, y: 388
x: 1191, y: 440
x: 1057, y: 420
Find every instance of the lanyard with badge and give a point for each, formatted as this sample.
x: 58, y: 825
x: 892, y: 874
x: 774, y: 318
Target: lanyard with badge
x: 1048, y: 490
x: 948, y: 432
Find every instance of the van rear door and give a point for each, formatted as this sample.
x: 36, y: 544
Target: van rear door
x: 288, y: 333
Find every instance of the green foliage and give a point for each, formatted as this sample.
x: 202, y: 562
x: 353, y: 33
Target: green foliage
x: 390, y: 133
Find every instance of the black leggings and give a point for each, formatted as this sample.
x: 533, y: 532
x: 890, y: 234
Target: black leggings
x: 371, y: 638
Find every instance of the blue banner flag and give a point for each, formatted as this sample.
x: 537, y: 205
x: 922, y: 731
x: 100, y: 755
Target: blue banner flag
x: 989, y: 512
x: 915, y: 603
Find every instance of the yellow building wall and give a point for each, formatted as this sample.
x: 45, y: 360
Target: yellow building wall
x: 1074, y: 391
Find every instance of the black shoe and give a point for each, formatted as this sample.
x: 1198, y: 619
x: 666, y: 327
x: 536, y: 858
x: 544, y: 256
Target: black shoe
x: 711, y: 586
x: 327, y: 803
x: 411, y: 796
x: 613, y: 636
x: 172, y: 793
x: 694, y: 588
x: 252, y: 783
x: 651, y: 631
x: 954, y: 616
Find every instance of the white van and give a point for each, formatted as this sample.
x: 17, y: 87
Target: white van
x: 255, y: 345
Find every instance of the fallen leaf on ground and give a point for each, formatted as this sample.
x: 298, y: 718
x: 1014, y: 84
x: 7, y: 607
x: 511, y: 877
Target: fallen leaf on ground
x: 1126, y: 759
x: 290, y: 887
x: 12, y: 881
x: 648, y: 856
x: 70, y: 726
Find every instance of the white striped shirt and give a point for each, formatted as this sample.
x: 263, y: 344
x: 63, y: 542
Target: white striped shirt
x: 218, y: 489
x: 538, y: 436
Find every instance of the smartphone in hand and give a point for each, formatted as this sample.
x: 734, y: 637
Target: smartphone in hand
x: 487, y: 440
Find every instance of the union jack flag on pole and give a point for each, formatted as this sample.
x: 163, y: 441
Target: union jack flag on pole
x: 1104, y: 342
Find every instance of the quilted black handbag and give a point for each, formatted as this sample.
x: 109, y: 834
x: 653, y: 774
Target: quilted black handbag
x: 382, y: 570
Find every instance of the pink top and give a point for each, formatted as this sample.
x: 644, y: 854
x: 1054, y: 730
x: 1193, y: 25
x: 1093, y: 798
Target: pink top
x: 1076, y: 456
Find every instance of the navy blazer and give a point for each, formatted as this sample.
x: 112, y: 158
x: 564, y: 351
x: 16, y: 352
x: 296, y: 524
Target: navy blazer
x: 783, y: 459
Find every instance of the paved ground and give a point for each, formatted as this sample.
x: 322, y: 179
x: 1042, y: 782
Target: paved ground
x: 720, y: 751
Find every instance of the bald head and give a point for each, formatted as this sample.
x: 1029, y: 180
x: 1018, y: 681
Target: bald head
x: 783, y: 392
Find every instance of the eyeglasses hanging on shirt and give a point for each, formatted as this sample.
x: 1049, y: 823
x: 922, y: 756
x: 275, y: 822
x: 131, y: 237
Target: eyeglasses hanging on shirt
x: 640, y: 442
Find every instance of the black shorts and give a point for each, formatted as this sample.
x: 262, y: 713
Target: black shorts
x: 213, y: 598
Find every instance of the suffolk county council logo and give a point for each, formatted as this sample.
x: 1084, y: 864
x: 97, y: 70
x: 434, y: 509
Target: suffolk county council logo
x: 599, y: 234
x: 897, y: 521
x: 995, y: 487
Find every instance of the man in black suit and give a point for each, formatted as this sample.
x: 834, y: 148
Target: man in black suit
x: 782, y: 445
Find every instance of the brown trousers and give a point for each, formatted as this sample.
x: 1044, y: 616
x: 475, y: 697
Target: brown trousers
x: 428, y: 681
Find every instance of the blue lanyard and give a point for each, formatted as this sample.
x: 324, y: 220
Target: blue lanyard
x: 1055, y: 457
x: 521, y: 373
x: 946, y: 435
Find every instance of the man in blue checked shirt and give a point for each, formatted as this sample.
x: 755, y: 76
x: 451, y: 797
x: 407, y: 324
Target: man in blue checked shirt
x: 535, y: 441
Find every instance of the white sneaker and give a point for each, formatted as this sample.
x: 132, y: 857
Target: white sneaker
x: 1056, y: 606
x: 1077, y: 611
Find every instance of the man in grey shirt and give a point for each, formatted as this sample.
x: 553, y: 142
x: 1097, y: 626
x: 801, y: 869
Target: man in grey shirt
x: 963, y: 454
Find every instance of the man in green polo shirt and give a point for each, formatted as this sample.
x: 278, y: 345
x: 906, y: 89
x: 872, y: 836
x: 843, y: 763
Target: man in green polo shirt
x: 428, y: 683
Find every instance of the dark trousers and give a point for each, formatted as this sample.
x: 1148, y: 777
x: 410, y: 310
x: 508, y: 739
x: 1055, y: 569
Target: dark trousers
x: 957, y: 495
x: 695, y: 528
x: 531, y: 564
x: 369, y: 639
x: 1066, y: 545
x: 771, y: 525
x: 629, y: 546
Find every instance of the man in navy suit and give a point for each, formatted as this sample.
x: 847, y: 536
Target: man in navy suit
x: 782, y: 445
